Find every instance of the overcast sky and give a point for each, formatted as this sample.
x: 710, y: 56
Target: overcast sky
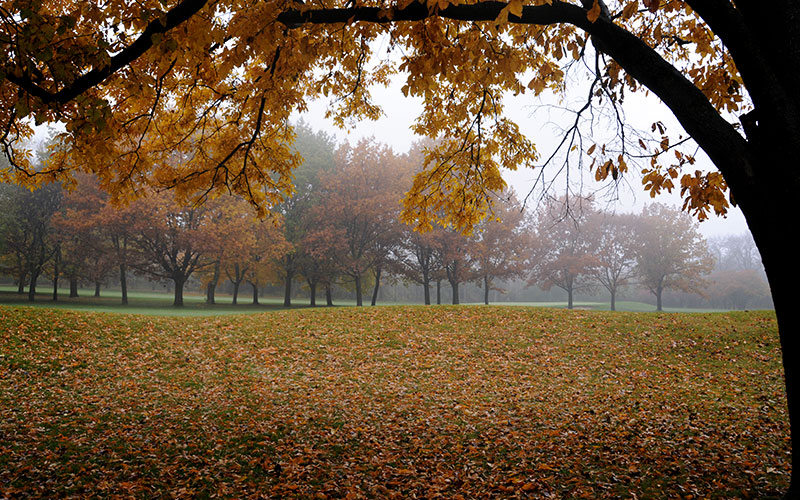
x: 541, y: 125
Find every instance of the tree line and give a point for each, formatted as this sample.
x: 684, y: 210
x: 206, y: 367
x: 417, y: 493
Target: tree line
x: 343, y: 226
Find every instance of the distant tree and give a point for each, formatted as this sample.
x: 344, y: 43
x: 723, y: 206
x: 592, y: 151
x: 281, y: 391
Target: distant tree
x: 268, y: 248
x: 453, y: 252
x: 738, y: 288
x: 565, y: 251
x: 735, y: 252
x: 670, y: 252
x: 502, y: 244
x: 361, y: 204
x: 172, y: 239
x: 614, y: 251
x: 415, y: 259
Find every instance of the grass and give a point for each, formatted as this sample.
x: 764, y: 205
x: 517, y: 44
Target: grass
x: 392, y: 402
x: 160, y: 303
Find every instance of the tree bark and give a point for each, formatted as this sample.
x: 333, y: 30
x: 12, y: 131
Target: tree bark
x: 426, y: 287
x: 328, y: 295
x: 255, y: 294
x: 359, y: 301
x: 32, y: 286
x: 438, y: 292
x: 287, y: 290
x: 56, y: 272
x: 312, y: 287
x: 21, y: 284
x: 96, y: 288
x: 569, y: 298
x: 211, y: 289
x: 123, y: 283
x: 179, y: 282
x: 73, y: 287
x: 486, y: 290
x: 377, y: 285
x: 613, y: 300
x: 454, y: 286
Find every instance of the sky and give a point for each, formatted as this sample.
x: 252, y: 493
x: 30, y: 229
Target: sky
x: 538, y: 120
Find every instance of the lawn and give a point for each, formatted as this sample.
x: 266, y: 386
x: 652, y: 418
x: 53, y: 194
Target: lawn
x: 392, y: 402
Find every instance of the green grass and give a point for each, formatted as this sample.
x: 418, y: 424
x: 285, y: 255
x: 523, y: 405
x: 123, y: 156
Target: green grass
x: 160, y: 303
x: 392, y: 402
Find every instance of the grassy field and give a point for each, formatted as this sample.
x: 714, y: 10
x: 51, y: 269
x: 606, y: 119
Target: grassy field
x: 392, y: 402
x: 160, y: 303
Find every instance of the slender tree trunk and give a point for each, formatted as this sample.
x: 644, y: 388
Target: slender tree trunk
x: 235, y: 292
x: 328, y: 295
x: 438, y: 292
x: 123, y: 283
x: 179, y: 282
x: 613, y: 299
x: 56, y: 272
x: 658, y: 293
x: 255, y: 294
x: 287, y: 290
x: 486, y: 289
x: 569, y: 298
x: 312, y: 286
x: 359, y: 302
x: 377, y: 285
x: 211, y: 289
x: 96, y: 288
x: 73, y: 286
x: 426, y: 287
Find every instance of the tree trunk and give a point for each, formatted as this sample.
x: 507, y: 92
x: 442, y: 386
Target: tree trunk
x: 73, y: 287
x: 179, y: 282
x: 359, y: 302
x: 328, y: 295
x: 377, y: 285
x: 211, y: 289
x: 56, y: 272
x: 96, y: 288
x: 426, y: 287
x: 32, y: 287
x: 454, y: 286
x: 658, y: 292
x: 312, y: 286
x: 569, y: 298
x: 123, y: 283
x: 235, y: 292
x: 21, y: 285
x: 485, y: 290
x: 438, y: 292
x: 255, y: 294
x: 613, y: 300
x: 287, y: 290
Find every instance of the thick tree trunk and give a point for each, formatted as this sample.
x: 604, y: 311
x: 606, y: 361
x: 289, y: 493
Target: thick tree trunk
x: 613, y: 300
x: 32, y: 286
x: 312, y: 287
x: 454, y: 286
x: 255, y: 294
x: 438, y: 292
x: 486, y: 290
x: 96, y: 288
x: 328, y: 295
x: 179, y: 282
x: 569, y: 298
x: 377, y: 286
x: 658, y: 293
x: 235, y: 292
x: 73, y: 287
x: 123, y: 283
x: 21, y: 284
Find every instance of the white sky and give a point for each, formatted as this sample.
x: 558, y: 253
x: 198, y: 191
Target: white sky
x: 394, y: 129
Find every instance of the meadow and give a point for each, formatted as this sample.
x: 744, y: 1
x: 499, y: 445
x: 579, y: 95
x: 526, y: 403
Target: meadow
x: 391, y: 402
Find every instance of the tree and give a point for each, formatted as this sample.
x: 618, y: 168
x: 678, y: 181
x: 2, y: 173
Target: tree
x: 171, y: 239
x: 503, y: 244
x: 452, y: 249
x: 565, y: 249
x: 670, y: 252
x: 119, y: 75
x: 614, y: 256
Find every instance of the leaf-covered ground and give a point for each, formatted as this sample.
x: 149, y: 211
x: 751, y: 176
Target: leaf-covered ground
x: 392, y: 402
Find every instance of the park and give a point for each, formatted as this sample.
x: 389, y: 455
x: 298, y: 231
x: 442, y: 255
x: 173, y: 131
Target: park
x: 202, y: 295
